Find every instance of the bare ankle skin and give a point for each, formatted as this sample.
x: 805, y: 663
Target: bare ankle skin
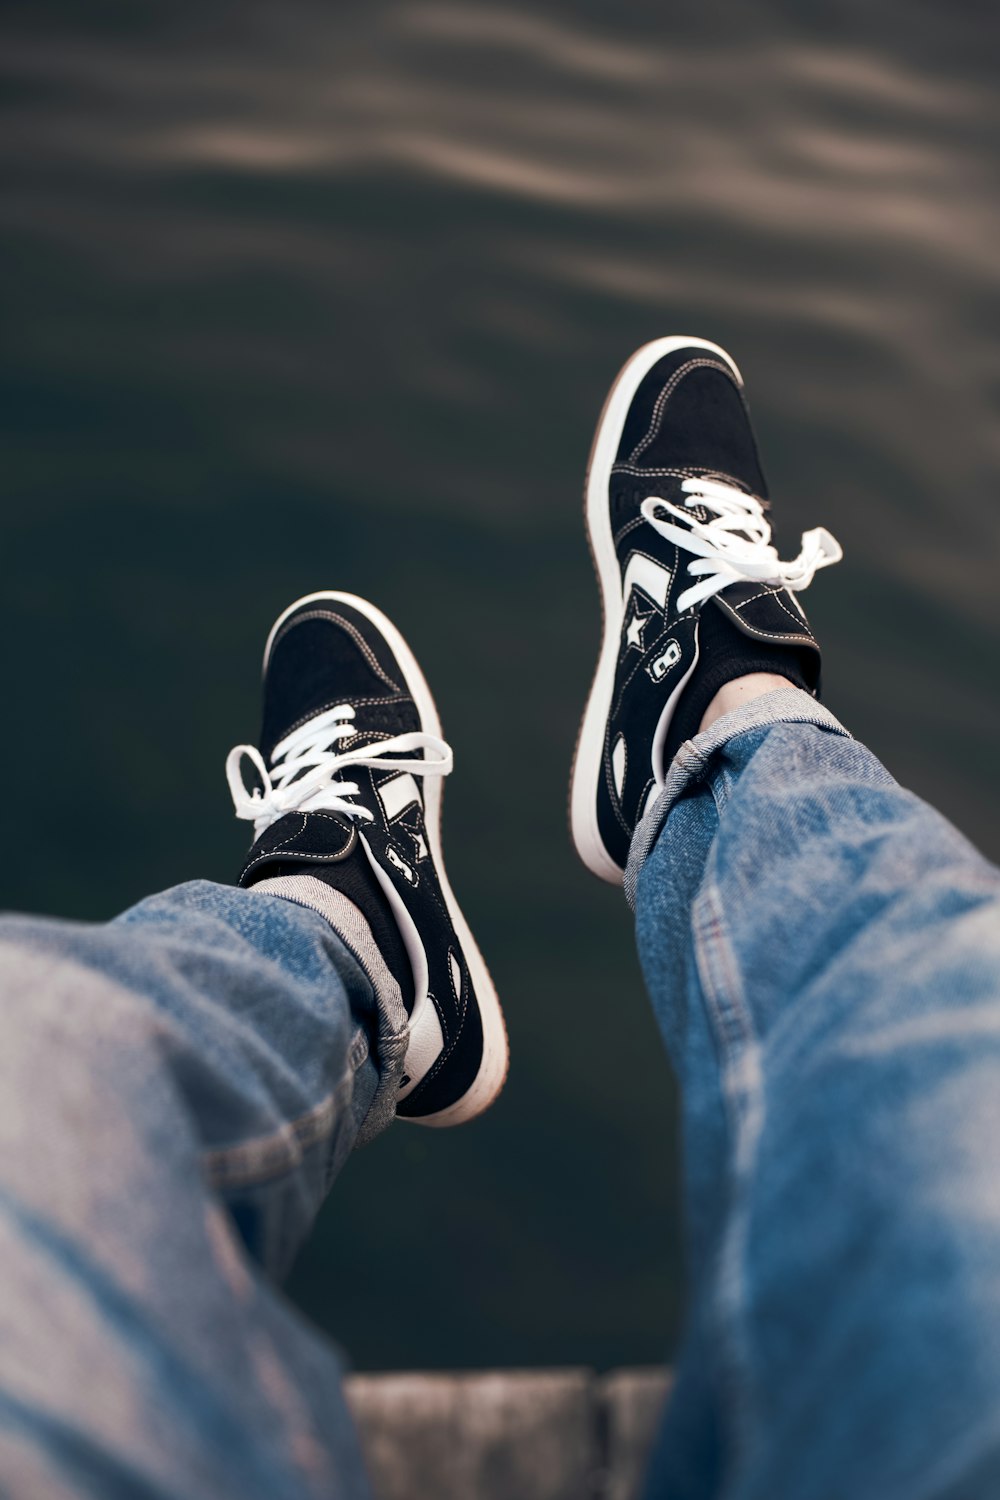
x: 741, y: 690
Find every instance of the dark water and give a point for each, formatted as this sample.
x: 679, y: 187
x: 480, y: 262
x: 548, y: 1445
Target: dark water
x: 309, y: 295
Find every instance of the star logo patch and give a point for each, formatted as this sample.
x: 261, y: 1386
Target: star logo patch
x: 636, y: 621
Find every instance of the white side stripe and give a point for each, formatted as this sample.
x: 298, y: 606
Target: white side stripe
x: 618, y: 763
x: 398, y: 793
x: 653, y: 579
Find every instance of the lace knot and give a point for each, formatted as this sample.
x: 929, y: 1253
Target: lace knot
x: 735, y: 543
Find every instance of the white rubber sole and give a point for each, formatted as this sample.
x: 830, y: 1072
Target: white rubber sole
x: 492, y: 1073
x: 589, y: 757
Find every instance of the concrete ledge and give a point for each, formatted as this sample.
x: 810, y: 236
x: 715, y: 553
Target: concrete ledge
x: 508, y: 1435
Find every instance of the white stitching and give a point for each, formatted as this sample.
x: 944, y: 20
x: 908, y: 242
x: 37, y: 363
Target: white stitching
x: 304, y: 825
x: 366, y: 650
x: 395, y: 698
x: 327, y: 855
x: 689, y: 471
x: 280, y: 1151
x: 668, y: 391
x: 774, y: 635
x: 776, y: 596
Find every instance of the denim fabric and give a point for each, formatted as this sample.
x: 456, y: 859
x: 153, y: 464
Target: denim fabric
x: 179, y: 1087
x: 822, y: 951
x: 210, y: 1047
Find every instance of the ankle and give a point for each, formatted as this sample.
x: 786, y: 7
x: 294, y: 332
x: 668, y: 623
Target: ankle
x: 740, y: 690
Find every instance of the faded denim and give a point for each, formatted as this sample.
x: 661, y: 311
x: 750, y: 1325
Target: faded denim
x: 211, y: 1047
x: 822, y: 950
x: 179, y: 1087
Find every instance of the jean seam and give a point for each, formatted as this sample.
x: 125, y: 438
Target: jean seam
x: 280, y: 1151
x: 739, y: 1054
x: 720, y: 786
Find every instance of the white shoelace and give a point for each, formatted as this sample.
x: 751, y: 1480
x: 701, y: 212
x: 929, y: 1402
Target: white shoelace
x: 736, y: 542
x: 308, y: 777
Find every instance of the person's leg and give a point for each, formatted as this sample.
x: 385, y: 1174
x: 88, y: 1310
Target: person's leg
x: 823, y: 954
x: 180, y: 1086
x: 211, y: 1048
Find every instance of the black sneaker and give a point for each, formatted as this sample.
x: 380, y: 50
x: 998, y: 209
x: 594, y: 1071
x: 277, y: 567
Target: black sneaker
x: 351, y: 763
x: 693, y: 591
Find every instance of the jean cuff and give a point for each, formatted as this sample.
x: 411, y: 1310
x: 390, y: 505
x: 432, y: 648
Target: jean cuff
x: 393, y: 1023
x: 788, y: 705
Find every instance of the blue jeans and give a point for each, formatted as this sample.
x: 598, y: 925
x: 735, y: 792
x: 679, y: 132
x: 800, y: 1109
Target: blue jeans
x: 822, y: 950
x: 179, y: 1087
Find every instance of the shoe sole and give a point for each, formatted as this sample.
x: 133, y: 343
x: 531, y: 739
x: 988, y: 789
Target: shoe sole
x: 492, y: 1074
x: 588, y: 759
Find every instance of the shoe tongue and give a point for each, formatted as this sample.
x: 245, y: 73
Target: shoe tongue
x: 372, y: 721
x: 318, y: 659
x: 637, y: 487
x: 375, y: 722
x: 706, y: 515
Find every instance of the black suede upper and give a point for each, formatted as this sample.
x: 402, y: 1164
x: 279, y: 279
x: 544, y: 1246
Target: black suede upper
x: 323, y: 655
x: 690, y: 414
x: 643, y: 684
